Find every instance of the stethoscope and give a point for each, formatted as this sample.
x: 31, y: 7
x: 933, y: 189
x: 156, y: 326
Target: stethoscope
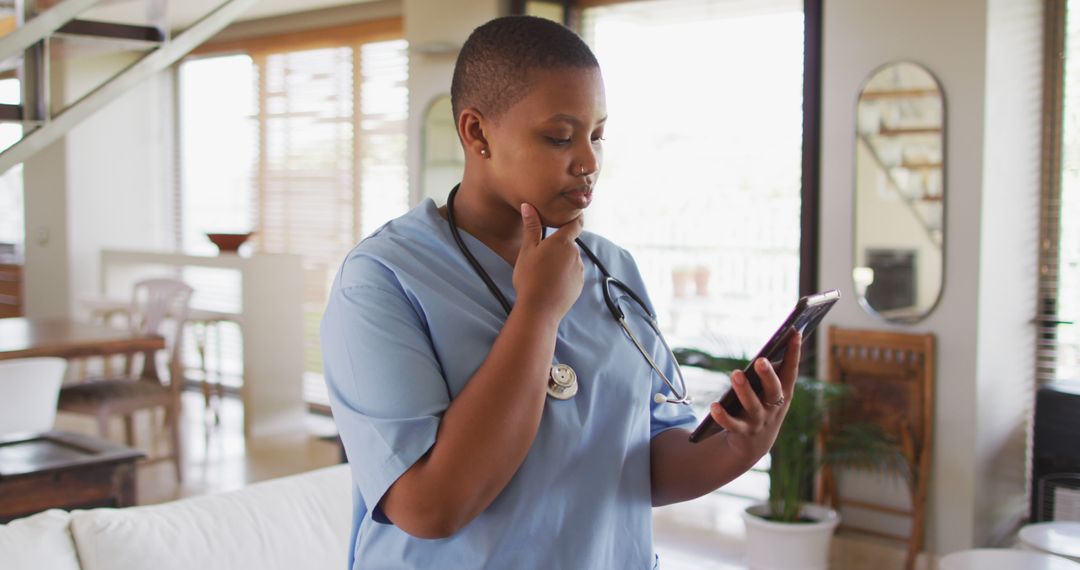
x: 562, y: 382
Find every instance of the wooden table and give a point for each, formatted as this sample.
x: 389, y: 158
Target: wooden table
x: 64, y: 470
x: 24, y: 338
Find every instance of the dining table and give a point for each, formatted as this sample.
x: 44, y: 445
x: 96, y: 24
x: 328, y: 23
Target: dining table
x: 23, y: 337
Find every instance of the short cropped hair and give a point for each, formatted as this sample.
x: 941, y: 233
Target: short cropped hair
x: 492, y: 69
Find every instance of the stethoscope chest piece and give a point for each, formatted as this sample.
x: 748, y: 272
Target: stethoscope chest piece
x: 562, y: 383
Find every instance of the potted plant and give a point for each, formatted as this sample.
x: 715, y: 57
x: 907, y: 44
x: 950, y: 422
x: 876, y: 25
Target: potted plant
x: 787, y: 531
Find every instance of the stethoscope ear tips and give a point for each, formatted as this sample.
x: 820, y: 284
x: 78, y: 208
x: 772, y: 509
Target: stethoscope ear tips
x: 659, y: 398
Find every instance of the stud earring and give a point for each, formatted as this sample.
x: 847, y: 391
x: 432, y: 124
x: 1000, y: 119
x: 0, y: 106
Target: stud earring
x: 483, y: 152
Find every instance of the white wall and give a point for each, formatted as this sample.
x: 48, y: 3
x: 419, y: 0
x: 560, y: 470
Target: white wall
x: 119, y: 176
x: 428, y: 23
x: 46, y: 274
x: 105, y: 184
x: 1009, y: 261
x: 982, y: 344
x: 310, y: 20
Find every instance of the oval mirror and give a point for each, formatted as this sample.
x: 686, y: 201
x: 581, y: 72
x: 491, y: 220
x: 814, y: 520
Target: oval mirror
x: 899, y: 193
x: 442, y: 161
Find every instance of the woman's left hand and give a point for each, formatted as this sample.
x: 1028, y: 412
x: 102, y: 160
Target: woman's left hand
x: 752, y: 435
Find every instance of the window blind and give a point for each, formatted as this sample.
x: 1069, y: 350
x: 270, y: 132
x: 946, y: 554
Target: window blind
x: 1058, y: 355
x: 324, y: 160
x: 384, y: 112
x: 331, y: 162
x: 305, y: 180
x: 1068, y: 268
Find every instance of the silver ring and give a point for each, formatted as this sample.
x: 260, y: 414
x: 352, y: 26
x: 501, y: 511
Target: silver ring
x: 777, y: 403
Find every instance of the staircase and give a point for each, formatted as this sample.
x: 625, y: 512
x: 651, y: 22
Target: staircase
x: 46, y: 33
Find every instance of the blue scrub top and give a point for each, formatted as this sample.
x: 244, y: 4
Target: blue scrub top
x: 409, y: 322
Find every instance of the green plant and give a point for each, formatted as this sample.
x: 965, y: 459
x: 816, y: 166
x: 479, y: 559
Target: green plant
x: 806, y: 441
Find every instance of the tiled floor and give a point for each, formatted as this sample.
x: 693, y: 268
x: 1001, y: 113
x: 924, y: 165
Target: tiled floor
x: 691, y: 548
x: 705, y: 534
x: 216, y: 457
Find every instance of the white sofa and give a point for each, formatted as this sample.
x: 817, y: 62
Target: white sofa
x: 301, y: 521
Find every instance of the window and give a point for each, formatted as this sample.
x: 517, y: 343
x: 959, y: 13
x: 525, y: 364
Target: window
x: 1059, y: 342
x: 306, y: 148
x: 11, y: 186
x: 705, y: 134
x: 219, y: 135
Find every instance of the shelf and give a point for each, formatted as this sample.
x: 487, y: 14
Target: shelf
x: 903, y: 131
x: 900, y: 94
x: 226, y: 260
x: 920, y: 165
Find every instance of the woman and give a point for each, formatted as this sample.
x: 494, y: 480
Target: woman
x: 443, y: 326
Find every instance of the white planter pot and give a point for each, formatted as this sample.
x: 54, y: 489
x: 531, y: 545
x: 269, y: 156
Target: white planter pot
x: 789, y: 546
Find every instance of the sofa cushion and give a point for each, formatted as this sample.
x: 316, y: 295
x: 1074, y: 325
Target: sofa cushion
x: 38, y: 541
x: 302, y: 521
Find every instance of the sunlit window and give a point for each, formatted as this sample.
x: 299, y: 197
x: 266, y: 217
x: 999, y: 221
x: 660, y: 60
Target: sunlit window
x: 304, y: 147
x: 702, y: 167
x: 1067, y: 294
x: 11, y: 182
x: 219, y: 148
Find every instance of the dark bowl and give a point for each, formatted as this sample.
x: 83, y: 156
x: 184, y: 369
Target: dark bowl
x: 229, y: 243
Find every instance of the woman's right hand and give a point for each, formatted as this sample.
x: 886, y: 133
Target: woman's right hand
x: 548, y: 274
x: 489, y: 427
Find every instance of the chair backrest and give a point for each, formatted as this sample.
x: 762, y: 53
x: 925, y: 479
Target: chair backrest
x: 153, y: 302
x: 30, y: 388
x: 891, y: 377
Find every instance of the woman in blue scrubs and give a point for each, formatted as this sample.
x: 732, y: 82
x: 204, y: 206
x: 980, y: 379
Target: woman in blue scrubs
x: 459, y: 457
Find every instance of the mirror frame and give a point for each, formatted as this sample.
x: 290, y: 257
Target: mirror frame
x: 423, y: 192
x: 944, y: 195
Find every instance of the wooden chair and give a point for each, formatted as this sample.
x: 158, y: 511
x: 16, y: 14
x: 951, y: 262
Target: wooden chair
x: 891, y: 378
x: 154, y: 301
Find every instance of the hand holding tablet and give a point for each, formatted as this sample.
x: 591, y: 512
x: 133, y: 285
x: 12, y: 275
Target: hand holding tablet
x: 808, y: 312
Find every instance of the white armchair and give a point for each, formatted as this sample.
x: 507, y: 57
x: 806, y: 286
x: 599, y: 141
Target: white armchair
x: 31, y: 387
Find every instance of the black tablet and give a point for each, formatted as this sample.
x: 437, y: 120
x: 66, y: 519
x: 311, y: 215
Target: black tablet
x: 804, y: 318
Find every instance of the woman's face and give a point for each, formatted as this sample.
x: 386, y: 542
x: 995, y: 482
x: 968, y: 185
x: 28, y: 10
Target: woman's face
x: 547, y: 148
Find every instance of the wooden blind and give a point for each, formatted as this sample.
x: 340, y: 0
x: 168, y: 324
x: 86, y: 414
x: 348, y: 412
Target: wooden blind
x: 331, y: 112
x: 331, y: 159
x: 1058, y: 355
x: 306, y: 187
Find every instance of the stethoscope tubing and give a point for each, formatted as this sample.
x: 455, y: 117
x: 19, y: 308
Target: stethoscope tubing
x: 613, y: 307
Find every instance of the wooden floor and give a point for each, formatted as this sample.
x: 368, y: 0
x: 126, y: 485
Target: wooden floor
x: 216, y: 457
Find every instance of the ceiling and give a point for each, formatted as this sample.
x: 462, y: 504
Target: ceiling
x: 184, y: 13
